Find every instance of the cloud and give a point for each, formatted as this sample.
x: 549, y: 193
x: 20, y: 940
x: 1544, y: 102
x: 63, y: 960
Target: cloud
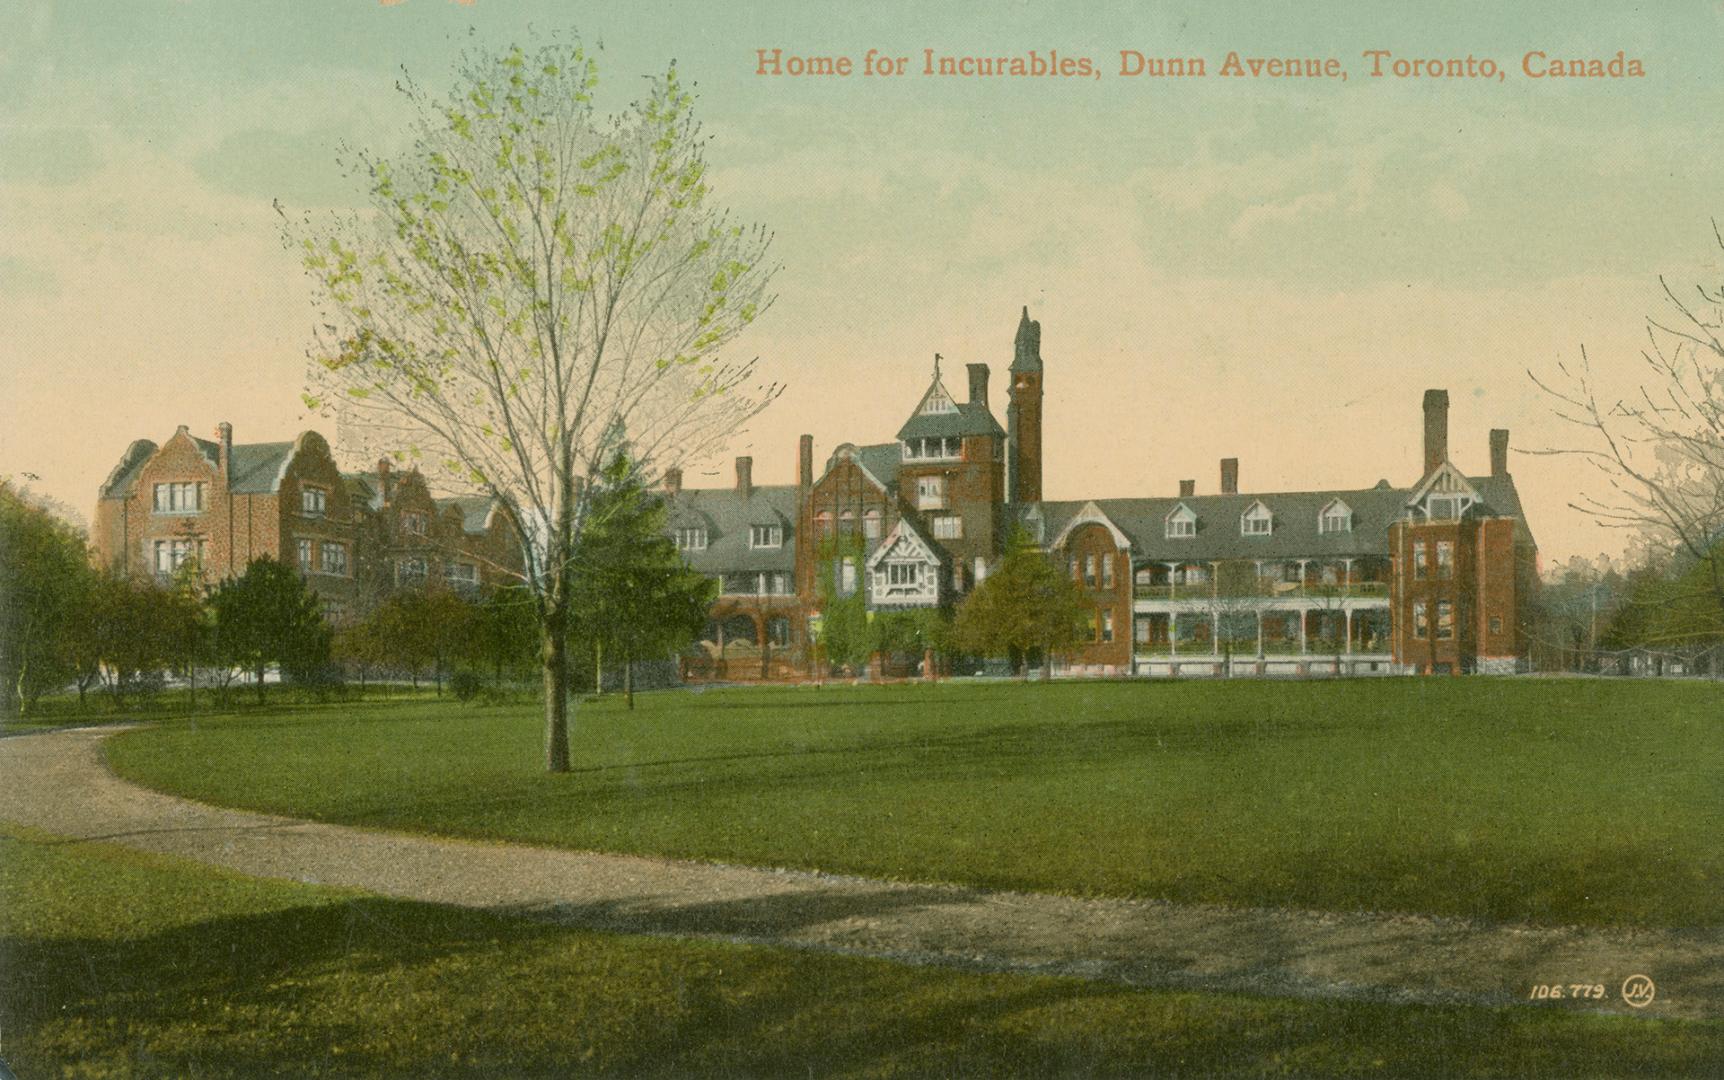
x: 50, y: 156
x: 1306, y: 205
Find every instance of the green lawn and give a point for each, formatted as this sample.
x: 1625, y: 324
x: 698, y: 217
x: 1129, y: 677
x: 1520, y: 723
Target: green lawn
x: 1585, y: 801
x: 117, y: 964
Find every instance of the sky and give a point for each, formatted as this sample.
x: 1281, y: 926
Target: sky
x: 1272, y: 270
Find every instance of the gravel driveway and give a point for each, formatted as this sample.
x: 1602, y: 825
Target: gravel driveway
x: 58, y: 782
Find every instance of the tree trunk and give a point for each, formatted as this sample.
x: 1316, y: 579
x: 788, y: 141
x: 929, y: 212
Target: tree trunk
x: 260, y: 671
x: 598, y: 669
x: 629, y: 682
x: 556, y: 662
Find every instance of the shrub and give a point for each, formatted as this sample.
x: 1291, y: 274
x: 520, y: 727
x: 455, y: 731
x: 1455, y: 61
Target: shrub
x: 466, y: 685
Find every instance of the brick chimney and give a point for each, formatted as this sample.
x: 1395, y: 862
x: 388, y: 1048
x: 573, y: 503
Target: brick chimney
x: 224, y: 456
x: 673, y: 481
x: 1499, y: 452
x: 1229, y: 476
x: 1436, y: 429
x: 805, y: 464
x: 978, y: 383
x: 383, y: 478
x: 745, y: 476
x: 1187, y: 488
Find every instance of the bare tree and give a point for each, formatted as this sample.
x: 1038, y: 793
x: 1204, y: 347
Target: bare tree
x: 1659, y: 454
x: 532, y: 279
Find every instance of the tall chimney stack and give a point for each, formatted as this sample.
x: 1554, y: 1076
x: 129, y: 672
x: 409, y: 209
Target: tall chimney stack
x: 383, y: 478
x: 978, y: 383
x: 1229, y: 476
x: 673, y: 481
x: 805, y: 464
x: 1436, y: 429
x: 224, y: 459
x: 1187, y: 488
x: 1499, y: 452
x: 745, y: 477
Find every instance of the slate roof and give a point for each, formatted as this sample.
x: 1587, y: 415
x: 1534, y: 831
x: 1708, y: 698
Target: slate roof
x: 1294, y: 533
x: 972, y: 418
x: 255, y: 466
x: 882, y: 461
x: 726, y: 517
x: 474, y: 510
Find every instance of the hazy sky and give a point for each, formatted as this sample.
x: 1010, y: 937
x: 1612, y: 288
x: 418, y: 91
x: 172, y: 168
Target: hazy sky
x: 1273, y: 270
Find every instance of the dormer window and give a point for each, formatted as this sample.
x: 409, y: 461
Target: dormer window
x: 765, y: 536
x: 1337, y: 517
x: 312, y: 501
x: 1446, y: 507
x: 183, y: 498
x: 1256, y: 521
x: 1181, y: 523
x: 693, y: 539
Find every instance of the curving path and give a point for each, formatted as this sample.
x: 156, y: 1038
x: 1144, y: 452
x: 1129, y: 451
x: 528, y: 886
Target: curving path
x: 58, y: 782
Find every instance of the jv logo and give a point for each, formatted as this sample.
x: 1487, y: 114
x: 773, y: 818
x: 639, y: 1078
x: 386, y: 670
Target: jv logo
x: 1638, y: 991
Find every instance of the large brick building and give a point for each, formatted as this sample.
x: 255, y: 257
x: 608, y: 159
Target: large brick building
x: 1432, y: 577
x: 355, y: 536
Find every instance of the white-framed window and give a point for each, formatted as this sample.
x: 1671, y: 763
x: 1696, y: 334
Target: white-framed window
x: 172, y: 554
x: 332, y: 558
x: 1445, y: 559
x: 1420, y: 570
x: 1337, y: 517
x: 823, y: 523
x: 778, y: 583
x: 934, y: 448
x: 1445, y: 620
x: 313, y: 501
x: 461, y: 573
x: 1181, y: 522
x: 765, y: 536
x: 847, y: 577
x: 871, y: 524
x: 1496, y: 624
x: 930, y: 493
x: 948, y: 527
x: 847, y: 523
x: 1445, y: 507
x: 691, y: 539
x: 1106, y: 626
x: 1107, y: 570
x: 1089, y: 569
x: 1256, y: 521
x: 1194, y: 574
x: 305, y: 556
x: 1421, y: 621
x: 414, y: 522
x: 180, y: 497
x: 411, y: 571
x: 903, y: 573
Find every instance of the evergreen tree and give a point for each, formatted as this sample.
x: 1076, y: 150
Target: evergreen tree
x: 267, y: 616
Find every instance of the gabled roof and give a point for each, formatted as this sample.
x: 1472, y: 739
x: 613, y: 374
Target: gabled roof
x: 962, y: 418
x: 475, y: 511
x: 1091, y: 514
x: 905, y: 535
x: 1144, y: 523
x: 256, y: 468
x: 726, y: 517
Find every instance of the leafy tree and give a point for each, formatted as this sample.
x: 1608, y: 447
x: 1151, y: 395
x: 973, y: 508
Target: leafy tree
x: 1026, y: 607
x: 919, y: 632
x: 634, y: 596
x: 535, y: 275
x: 267, y: 616
x: 424, y: 630
x: 45, y: 587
